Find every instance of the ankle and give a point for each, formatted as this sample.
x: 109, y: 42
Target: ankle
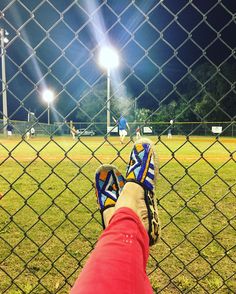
x: 130, y: 197
x: 107, y: 215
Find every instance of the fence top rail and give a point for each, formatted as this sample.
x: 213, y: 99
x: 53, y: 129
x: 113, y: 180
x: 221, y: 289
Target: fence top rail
x: 132, y: 123
x: 161, y: 122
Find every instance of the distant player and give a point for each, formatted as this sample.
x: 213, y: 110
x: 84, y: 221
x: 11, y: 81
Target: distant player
x: 27, y: 135
x: 32, y: 132
x: 138, y: 133
x: 9, y: 130
x: 73, y: 132
x: 122, y: 126
x: 169, y: 136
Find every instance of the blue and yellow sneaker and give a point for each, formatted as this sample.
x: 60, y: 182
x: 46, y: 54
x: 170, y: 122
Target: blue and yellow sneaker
x: 109, y: 183
x: 142, y: 169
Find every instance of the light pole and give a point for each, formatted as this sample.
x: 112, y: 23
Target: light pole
x: 48, y: 96
x: 4, y: 80
x: 108, y: 59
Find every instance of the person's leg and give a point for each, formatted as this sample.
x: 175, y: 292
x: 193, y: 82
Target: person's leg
x: 141, y: 176
x: 118, y: 262
x: 138, y: 136
x: 123, y: 138
x: 120, y: 132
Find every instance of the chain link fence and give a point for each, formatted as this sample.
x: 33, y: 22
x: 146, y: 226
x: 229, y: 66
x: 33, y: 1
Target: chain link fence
x: 176, y: 62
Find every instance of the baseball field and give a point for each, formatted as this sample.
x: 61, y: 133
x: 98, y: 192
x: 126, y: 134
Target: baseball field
x: 49, y: 220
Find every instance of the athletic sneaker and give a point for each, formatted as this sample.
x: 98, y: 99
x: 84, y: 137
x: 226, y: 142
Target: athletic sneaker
x: 142, y: 169
x: 109, y: 183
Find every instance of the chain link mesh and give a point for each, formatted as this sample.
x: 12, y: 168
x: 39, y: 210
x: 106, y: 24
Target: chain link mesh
x: 177, y: 62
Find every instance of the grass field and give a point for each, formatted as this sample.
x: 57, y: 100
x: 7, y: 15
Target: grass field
x: 49, y: 220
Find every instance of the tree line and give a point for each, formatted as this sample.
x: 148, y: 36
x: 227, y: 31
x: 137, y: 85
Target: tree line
x: 207, y: 93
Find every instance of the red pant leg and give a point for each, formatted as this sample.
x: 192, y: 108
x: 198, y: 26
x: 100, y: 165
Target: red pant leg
x: 118, y: 263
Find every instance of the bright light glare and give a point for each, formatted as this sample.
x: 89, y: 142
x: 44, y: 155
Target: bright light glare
x: 108, y: 58
x: 48, y: 96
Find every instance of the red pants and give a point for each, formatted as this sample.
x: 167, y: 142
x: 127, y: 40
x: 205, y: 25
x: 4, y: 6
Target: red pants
x: 118, y: 262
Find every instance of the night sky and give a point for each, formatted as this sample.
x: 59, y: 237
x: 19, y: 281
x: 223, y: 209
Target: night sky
x: 55, y: 44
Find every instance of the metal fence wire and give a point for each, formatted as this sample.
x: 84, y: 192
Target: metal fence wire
x: 176, y: 62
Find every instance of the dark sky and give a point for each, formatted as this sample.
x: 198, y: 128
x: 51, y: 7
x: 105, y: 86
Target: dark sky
x: 55, y: 44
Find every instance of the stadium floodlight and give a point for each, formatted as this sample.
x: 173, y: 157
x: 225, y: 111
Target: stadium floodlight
x: 108, y: 58
x: 48, y: 96
x: 4, y: 40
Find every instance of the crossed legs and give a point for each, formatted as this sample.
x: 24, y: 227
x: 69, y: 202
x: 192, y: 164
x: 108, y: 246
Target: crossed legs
x: 118, y: 262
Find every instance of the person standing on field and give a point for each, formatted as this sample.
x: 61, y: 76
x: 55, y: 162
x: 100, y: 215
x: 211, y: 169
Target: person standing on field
x: 138, y: 133
x: 169, y: 136
x: 32, y: 132
x: 10, y: 129
x: 122, y: 126
x: 74, y: 132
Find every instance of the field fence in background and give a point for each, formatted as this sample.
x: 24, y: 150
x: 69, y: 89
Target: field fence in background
x: 61, y: 71
x: 154, y: 128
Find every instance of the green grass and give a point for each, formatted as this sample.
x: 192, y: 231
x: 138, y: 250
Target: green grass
x: 49, y: 221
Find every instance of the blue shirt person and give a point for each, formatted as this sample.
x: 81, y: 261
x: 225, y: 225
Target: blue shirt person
x: 122, y: 125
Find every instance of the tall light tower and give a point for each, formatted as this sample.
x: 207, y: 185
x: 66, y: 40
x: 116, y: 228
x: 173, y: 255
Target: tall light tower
x: 108, y: 59
x: 48, y: 96
x: 4, y: 80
